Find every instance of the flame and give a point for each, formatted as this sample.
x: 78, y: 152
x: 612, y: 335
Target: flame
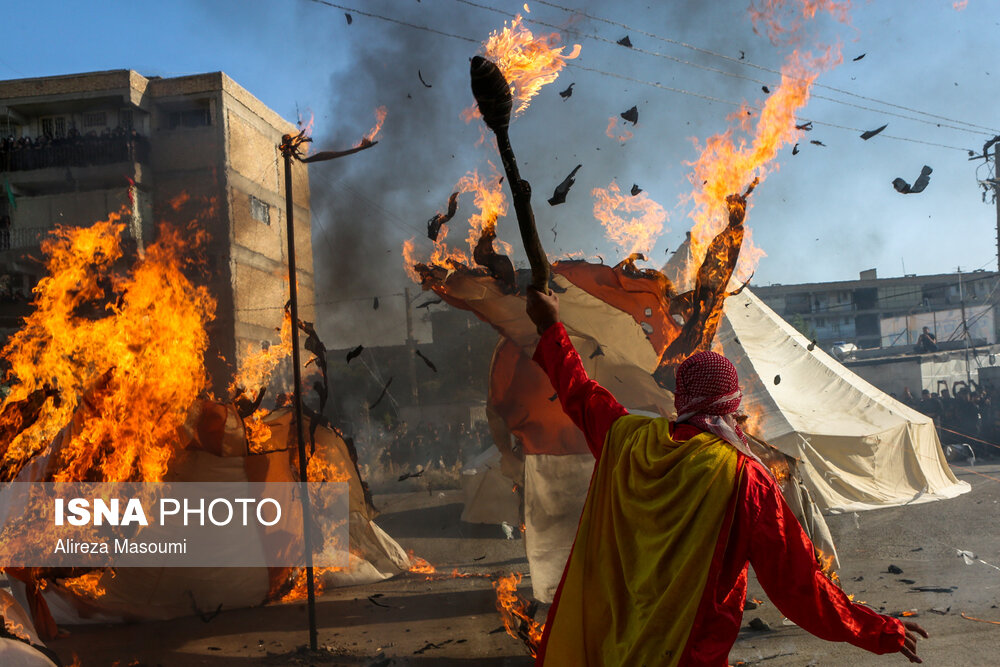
x: 514, y: 610
x: 621, y: 137
x: 634, y: 223
x: 14, y: 628
x: 134, y: 363
x: 300, y: 587
x: 727, y: 165
x: 526, y: 61
x: 826, y: 565
x: 258, y: 364
x: 489, y: 198
x: 380, y: 114
x: 911, y: 612
x: 87, y: 585
x: 419, y: 565
x: 783, y: 19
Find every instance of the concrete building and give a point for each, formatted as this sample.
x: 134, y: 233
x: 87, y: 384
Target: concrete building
x: 876, y: 312
x: 81, y: 146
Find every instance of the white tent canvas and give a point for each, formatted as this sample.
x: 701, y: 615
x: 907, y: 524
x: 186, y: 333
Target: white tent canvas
x: 858, y: 447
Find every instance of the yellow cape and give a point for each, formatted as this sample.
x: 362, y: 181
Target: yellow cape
x: 643, y: 550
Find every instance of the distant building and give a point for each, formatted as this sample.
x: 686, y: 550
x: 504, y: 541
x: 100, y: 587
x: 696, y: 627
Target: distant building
x: 78, y: 147
x: 876, y: 312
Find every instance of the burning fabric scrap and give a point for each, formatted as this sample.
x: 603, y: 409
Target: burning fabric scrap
x: 434, y: 224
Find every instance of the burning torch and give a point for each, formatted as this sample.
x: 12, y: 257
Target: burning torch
x: 492, y: 93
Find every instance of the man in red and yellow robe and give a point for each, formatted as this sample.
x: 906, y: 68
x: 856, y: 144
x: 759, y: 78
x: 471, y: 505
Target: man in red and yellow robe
x: 675, y: 513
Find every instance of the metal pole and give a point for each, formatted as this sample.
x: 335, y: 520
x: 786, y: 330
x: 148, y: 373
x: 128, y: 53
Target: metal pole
x: 965, y: 331
x: 286, y: 150
x: 996, y: 193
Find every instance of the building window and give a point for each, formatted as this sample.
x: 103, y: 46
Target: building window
x: 95, y: 119
x: 125, y: 119
x: 54, y: 126
x: 260, y: 211
x: 189, y: 118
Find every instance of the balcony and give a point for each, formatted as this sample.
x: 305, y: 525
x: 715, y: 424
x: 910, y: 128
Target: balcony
x: 76, y: 152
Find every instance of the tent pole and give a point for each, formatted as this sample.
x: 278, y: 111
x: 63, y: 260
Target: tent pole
x: 287, y: 149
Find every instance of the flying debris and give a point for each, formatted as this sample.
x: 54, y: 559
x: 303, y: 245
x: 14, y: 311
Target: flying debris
x: 598, y: 352
x: 632, y: 115
x: 421, y: 77
x: 817, y: 142
x: 428, y: 304
x: 905, y: 188
x: 743, y: 55
x: 559, y: 196
x: 635, y: 190
x: 871, y: 133
x: 625, y: 41
x: 777, y: 379
x: 375, y: 304
x: 381, y: 396
x: 408, y: 475
x: 860, y: 57
x: 434, y: 224
x: 568, y: 93
x: 350, y: 19
x: 795, y: 149
x: 805, y: 126
x: 766, y: 90
x: 355, y: 353
x: 430, y: 364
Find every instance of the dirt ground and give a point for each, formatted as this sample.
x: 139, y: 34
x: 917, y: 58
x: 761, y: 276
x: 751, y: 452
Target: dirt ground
x: 410, y: 620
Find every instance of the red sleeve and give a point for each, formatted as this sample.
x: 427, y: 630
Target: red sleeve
x: 591, y: 407
x: 785, y: 563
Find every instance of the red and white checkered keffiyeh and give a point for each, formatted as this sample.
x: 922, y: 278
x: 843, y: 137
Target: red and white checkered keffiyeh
x: 708, y: 395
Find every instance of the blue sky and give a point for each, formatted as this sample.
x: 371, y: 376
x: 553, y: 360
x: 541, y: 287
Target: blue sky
x: 826, y: 214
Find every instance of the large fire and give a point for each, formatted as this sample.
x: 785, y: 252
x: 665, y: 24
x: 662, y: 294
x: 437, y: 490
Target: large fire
x: 125, y: 344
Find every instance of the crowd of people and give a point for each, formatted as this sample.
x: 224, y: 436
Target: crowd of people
x: 429, y: 446
x: 966, y: 413
x: 73, y: 150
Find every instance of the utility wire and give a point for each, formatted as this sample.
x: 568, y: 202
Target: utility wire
x: 747, y: 63
x: 622, y: 76
x: 716, y: 70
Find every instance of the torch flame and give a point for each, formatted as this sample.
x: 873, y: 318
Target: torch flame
x: 527, y: 62
x: 634, y: 223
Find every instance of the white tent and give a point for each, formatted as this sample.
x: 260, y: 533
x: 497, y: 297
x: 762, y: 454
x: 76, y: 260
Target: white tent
x: 858, y: 447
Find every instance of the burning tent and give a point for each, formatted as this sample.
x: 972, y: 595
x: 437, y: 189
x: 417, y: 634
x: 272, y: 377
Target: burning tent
x: 108, y: 383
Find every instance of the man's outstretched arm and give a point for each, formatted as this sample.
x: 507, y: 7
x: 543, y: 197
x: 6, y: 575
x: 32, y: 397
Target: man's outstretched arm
x: 591, y: 407
x: 784, y: 560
